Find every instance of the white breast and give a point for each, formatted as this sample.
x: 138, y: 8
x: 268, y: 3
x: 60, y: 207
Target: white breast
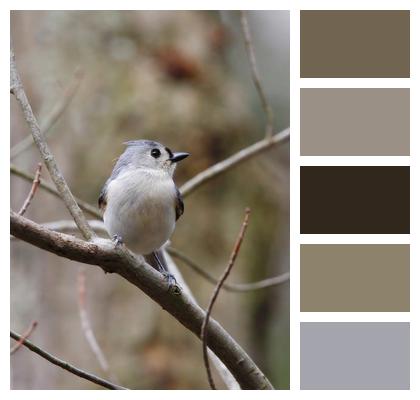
x: 141, y: 209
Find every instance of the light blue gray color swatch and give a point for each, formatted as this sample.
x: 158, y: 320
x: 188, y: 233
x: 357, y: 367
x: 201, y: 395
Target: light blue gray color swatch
x: 355, y: 355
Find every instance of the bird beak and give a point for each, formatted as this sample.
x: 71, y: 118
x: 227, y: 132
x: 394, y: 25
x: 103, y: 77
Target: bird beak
x: 178, y: 157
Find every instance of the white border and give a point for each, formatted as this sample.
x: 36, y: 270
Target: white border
x: 296, y: 238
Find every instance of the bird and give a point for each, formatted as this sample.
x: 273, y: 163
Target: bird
x: 140, y: 201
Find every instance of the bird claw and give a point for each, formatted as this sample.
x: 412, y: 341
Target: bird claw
x: 173, y: 286
x: 118, y: 241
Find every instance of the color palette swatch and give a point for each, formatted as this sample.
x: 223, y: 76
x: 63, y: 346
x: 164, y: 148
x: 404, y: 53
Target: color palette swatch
x: 355, y: 180
x: 355, y: 44
x: 355, y: 278
x: 355, y: 199
x: 355, y: 122
x: 355, y: 355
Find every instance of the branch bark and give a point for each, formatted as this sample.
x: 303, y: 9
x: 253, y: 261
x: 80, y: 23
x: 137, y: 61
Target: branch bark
x: 255, y: 75
x: 234, y: 160
x: 47, y: 156
x: 65, y: 365
x: 230, y: 287
x: 120, y: 260
x: 34, y: 187
x: 204, y: 327
x: 92, y: 210
x: 51, y: 118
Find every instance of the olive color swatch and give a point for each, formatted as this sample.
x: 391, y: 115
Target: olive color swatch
x: 355, y: 355
x: 355, y: 122
x: 355, y: 200
x: 355, y: 44
x: 355, y: 278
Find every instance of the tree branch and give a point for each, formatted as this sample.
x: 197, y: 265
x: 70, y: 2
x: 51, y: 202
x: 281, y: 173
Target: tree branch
x: 47, y: 156
x: 65, y: 365
x: 34, y: 187
x: 269, y: 130
x: 51, y: 118
x: 120, y: 260
x: 92, y: 210
x: 232, y: 161
x: 230, y: 287
x: 25, y: 336
x: 204, y: 327
x: 87, y: 326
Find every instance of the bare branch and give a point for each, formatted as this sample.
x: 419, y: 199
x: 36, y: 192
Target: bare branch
x: 224, y: 373
x: 51, y: 118
x: 65, y: 365
x: 87, y: 326
x: 92, y: 210
x: 47, y: 156
x: 204, y: 327
x: 230, y: 287
x: 232, y: 161
x: 34, y: 187
x: 25, y: 336
x: 120, y: 260
x: 269, y: 130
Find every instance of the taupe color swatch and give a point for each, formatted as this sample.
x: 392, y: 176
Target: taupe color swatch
x: 355, y: 355
x: 355, y: 122
x: 355, y: 278
x: 355, y: 44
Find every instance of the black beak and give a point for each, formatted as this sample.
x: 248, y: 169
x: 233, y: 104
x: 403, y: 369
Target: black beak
x: 178, y: 156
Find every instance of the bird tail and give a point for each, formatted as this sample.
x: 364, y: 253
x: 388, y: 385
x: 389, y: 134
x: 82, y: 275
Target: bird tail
x: 157, y: 261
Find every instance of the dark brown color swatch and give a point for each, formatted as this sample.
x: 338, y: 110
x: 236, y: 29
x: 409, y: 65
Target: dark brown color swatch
x: 355, y: 200
x: 355, y: 122
x: 355, y: 44
x: 355, y: 278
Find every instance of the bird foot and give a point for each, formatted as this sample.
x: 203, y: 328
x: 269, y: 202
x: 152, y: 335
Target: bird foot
x: 118, y: 241
x: 173, y: 286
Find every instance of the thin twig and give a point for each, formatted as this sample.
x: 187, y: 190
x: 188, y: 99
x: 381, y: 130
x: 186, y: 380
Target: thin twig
x: 25, y: 336
x: 92, y: 210
x: 224, y: 373
x: 269, y: 130
x: 65, y: 365
x: 52, y: 117
x: 47, y: 156
x: 204, y: 332
x: 230, y: 287
x: 87, y: 326
x: 122, y: 261
x: 34, y: 187
x: 232, y: 161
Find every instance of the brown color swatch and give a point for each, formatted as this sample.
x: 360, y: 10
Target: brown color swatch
x: 355, y: 122
x: 355, y: 44
x: 355, y: 278
x: 351, y: 200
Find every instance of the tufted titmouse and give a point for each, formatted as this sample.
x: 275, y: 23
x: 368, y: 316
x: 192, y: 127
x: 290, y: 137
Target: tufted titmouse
x: 140, y: 201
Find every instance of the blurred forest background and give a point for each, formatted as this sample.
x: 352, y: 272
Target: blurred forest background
x: 181, y: 78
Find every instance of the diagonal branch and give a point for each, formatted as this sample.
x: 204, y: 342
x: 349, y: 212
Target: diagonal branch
x: 120, y: 260
x: 51, y: 118
x: 25, y: 336
x: 87, y: 326
x: 232, y: 161
x: 35, y: 184
x: 230, y: 287
x: 204, y: 327
x: 65, y: 365
x: 269, y: 130
x: 92, y: 210
x: 48, y: 158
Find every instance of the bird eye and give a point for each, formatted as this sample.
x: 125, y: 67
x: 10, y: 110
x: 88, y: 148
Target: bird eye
x: 155, y: 153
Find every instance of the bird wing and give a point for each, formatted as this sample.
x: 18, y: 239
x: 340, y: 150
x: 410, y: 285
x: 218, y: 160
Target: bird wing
x: 102, y: 200
x: 179, y: 205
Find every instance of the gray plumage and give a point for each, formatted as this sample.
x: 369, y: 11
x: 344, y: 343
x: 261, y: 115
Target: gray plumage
x: 140, y: 201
